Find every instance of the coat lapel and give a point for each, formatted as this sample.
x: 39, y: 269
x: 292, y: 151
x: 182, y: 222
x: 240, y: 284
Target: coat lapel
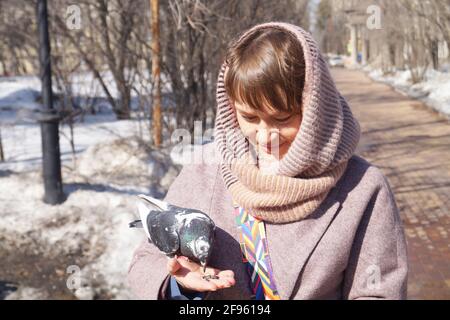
x: 289, y: 257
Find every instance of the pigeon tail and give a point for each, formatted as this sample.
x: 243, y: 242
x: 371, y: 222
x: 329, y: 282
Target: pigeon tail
x: 136, y: 224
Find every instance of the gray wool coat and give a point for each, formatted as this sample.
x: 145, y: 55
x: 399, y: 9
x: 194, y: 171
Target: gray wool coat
x: 352, y: 247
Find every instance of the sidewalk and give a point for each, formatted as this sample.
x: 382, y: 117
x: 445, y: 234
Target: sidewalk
x: 411, y: 144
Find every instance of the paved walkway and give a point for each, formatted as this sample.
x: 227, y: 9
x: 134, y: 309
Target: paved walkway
x: 411, y: 144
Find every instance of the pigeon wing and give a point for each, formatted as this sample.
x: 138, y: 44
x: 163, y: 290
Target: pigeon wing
x: 163, y: 231
x: 154, y: 203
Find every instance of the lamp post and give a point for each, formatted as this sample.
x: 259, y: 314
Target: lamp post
x: 49, y: 119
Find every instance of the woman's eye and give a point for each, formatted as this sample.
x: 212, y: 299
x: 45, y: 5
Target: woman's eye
x: 283, y: 119
x: 250, y: 118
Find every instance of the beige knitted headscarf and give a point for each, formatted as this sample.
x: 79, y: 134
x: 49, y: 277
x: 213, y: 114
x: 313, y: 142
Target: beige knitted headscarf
x: 316, y: 159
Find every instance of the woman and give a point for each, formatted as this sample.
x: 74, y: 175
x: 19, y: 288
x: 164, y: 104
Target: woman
x: 298, y: 215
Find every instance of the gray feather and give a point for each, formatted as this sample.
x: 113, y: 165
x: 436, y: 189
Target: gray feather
x: 136, y: 224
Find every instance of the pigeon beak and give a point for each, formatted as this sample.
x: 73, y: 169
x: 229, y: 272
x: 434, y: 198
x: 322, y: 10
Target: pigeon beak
x: 203, y: 263
x: 156, y: 204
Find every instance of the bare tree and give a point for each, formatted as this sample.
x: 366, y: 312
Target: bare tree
x: 18, y: 48
x: 410, y: 36
x: 113, y: 45
x: 332, y: 30
x: 195, y: 35
x: 105, y: 46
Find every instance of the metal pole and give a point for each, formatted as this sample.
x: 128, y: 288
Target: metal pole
x: 51, y: 163
x: 2, y: 155
x: 156, y: 94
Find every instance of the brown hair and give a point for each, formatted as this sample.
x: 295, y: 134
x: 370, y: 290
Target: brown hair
x: 267, y: 67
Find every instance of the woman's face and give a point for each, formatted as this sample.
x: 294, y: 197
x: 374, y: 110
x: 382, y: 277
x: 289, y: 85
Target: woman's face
x: 270, y: 131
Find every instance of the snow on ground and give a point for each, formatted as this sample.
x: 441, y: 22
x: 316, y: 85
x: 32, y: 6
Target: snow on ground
x: 91, y: 226
x: 23, y: 150
x: 18, y: 98
x: 22, y: 91
x: 434, y: 90
x: 40, y: 244
x: 20, y: 95
x: 85, y: 84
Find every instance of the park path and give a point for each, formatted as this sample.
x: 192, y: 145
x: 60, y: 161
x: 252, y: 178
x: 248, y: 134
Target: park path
x: 410, y: 143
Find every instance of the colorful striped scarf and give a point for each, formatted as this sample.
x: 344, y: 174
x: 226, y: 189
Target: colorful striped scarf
x: 255, y: 253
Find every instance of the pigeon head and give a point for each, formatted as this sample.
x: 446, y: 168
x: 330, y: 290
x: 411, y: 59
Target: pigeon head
x: 197, y: 232
x: 201, y: 248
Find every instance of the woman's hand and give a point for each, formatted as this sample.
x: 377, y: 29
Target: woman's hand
x: 189, y: 275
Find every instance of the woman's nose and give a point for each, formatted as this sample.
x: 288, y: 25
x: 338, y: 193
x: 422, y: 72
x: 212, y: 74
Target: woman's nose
x: 267, y: 136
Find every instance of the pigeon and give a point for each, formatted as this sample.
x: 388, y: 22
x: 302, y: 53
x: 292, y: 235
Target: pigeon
x: 175, y: 230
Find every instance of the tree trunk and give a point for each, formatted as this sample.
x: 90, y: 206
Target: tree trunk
x: 123, y: 108
x: 434, y: 51
x: 156, y: 94
x: 2, y: 155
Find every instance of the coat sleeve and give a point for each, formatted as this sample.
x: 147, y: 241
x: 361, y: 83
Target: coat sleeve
x: 147, y: 274
x: 378, y: 263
